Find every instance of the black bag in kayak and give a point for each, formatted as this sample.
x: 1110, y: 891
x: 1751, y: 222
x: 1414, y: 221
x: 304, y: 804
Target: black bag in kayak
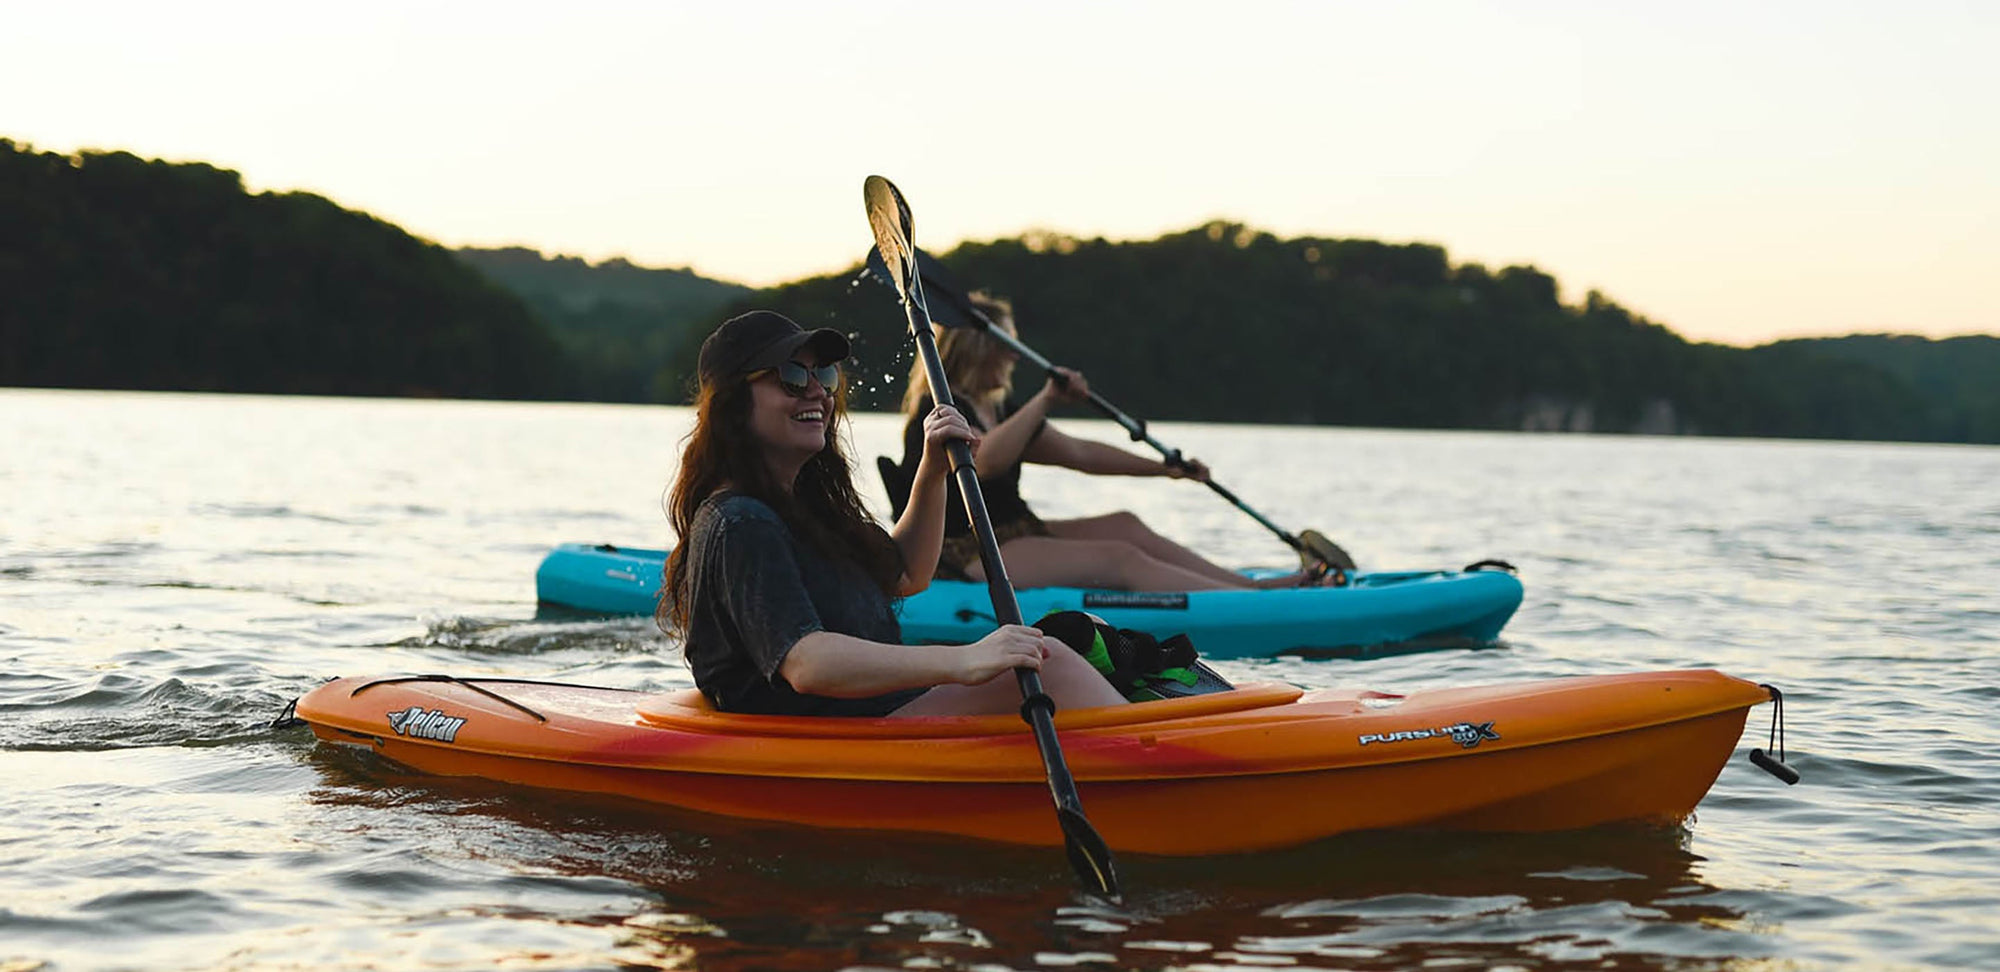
x: 1140, y: 666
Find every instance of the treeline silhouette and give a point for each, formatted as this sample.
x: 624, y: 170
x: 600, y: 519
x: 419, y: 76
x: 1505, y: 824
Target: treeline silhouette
x: 1226, y: 323
x: 119, y: 272
x: 1957, y: 378
x: 620, y: 323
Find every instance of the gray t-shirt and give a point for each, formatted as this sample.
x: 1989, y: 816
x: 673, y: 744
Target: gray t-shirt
x: 754, y: 591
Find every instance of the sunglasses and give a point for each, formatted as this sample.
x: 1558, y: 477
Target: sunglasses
x: 793, y: 377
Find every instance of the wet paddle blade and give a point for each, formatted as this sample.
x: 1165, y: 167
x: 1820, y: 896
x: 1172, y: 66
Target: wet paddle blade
x: 895, y: 231
x: 1325, y: 551
x: 874, y: 268
x: 952, y: 311
x: 1089, y: 855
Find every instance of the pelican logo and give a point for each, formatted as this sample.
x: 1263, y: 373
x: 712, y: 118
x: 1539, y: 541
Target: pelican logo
x: 1466, y: 734
x: 416, y: 723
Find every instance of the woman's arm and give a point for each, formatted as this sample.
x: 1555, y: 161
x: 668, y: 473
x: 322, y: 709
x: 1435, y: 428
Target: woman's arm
x: 919, y: 532
x: 1005, y: 444
x: 844, y: 667
x: 1053, y: 448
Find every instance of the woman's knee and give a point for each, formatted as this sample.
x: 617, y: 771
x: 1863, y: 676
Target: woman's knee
x: 1135, y: 530
x: 1083, y: 686
x: 1125, y: 521
x: 1102, y: 562
x: 1092, y: 561
x: 1068, y: 662
x: 1137, y: 568
x: 1124, y: 525
x: 1102, y: 526
x: 1070, y: 674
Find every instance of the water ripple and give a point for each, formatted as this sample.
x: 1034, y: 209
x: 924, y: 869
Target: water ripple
x: 152, y: 624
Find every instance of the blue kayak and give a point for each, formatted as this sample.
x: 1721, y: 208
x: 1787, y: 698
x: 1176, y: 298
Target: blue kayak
x: 1380, y: 613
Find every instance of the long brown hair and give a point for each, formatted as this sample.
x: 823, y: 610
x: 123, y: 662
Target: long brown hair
x: 967, y: 354
x: 822, y: 507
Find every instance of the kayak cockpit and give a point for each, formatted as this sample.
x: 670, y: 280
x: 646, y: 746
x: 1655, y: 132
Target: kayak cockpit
x: 689, y: 711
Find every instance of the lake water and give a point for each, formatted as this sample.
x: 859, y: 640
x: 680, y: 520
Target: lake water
x: 174, y: 568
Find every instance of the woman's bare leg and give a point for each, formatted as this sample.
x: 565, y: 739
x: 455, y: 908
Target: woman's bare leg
x: 1069, y: 681
x: 1109, y: 564
x: 1130, y: 529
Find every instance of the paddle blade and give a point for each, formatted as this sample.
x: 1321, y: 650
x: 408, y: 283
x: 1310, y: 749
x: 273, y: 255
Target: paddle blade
x: 953, y: 311
x: 875, y: 268
x: 1325, y: 551
x: 895, y: 232
x: 1089, y: 855
x: 939, y: 280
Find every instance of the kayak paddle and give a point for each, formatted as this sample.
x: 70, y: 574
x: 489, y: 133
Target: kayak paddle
x: 1312, y: 546
x: 895, y: 236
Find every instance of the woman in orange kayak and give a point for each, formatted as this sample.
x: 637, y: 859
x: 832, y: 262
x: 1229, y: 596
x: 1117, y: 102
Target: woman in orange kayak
x: 1116, y: 550
x: 781, y: 585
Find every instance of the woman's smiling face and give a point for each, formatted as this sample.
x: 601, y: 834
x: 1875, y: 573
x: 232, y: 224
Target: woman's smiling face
x: 790, y: 428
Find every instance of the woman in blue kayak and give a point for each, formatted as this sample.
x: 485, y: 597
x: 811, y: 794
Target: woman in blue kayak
x: 781, y: 585
x: 1115, y: 551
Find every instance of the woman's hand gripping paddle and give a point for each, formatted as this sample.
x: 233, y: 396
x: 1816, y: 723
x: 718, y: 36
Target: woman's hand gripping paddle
x: 1316, y: 552
x: 895, y: 235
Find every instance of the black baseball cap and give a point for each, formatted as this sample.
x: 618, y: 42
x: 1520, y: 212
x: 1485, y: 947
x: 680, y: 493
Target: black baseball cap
x: 763, y: 339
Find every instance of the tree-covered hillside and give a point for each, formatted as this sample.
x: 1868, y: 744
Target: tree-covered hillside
x: 619, y: 322
x: 120, y: 272
x: 1222, y: 322
x: 1958, y: 378
x: 125, y: 273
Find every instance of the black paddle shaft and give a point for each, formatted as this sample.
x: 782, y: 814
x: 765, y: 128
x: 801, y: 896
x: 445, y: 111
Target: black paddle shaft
x: 1089, y: 855
x: 1036, y: 706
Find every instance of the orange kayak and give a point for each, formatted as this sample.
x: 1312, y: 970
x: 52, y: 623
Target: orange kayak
x: 1261, y: 766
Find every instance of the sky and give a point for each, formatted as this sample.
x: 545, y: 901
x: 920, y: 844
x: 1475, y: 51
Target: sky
x: 1737, y: 171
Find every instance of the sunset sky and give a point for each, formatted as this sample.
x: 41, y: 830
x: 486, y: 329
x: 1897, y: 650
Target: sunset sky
x: 1736, y: 171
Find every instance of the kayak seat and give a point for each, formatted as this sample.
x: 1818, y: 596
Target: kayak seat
x: 896, y: 482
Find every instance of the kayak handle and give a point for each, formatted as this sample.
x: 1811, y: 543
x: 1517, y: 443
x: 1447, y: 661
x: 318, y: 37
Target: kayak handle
x: 1761, y: 759
x: 1764, y: 762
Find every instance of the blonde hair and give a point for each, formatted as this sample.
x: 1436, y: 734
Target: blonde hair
x: 969, y: 355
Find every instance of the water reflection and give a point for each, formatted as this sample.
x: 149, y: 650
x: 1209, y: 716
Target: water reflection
x: 713, y: 893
